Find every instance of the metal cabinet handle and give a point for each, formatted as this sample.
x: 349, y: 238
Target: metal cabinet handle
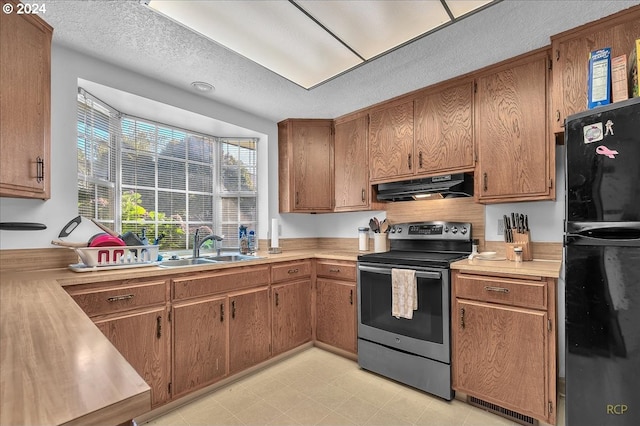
x: 409, y: 161
x: 233, y: 309
x: 277, y: 299
x: 222, y: 312
x: 335, y: 271
x: 40, y: 169
x: 297, y: 198
x: 118, y: 298
x: 363, y: 195
x: 497, y: 289
x: 158, y: 327
x: 485, y: 179
x: 293, y: 271
x: 420, y: 159
x: 462, y: 318
x: 557, y: 115
x: 351, y: 297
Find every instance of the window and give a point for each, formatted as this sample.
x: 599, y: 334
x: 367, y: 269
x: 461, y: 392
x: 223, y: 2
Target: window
x: 151, y: 178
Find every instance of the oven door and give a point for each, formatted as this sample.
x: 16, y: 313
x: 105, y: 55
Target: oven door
x: 427, y: 334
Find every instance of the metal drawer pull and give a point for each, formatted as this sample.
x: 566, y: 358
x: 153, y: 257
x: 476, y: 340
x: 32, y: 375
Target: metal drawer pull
x: 159, y: 327
x: 498, y: 289
x: 40, y: 170
x: 277, y: 299
x: 334, y: 270
x: 293, y: 271
x: 118, y: 298
x: 351, y: 296
x: 462, y: 318
x: 233, y: 309
x: 222, y: 312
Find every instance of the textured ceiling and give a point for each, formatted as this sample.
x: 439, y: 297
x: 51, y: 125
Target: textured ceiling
x: 125, y: 33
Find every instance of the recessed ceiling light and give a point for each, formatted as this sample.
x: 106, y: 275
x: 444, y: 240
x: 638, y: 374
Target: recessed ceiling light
x: 202, y: 86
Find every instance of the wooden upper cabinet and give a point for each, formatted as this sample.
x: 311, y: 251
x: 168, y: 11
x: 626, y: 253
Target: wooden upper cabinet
x: 570, y: 52
x: 516, y: 160
x: 305, y: 163
x: 25, y: 106
x: 444, y: 131
x: 351, y: 164
x: 391, y: 142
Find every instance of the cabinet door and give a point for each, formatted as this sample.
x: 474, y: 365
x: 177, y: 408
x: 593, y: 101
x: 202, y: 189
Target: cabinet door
x: 312, y: 156
x: 143, y: 339
x: 336, y: 314
x: 391, y: 142
x: 570, y: 55
x: 25, y: 69
x: 444, y: 131
x: 515, y: 158
x: 199, y: 344
x: 351, y: 165
x: 291, y: 315
x: 500, y: 355
x: 249, y: 329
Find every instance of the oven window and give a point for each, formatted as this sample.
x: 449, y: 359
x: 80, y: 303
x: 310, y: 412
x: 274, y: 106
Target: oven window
x: 427, y: 322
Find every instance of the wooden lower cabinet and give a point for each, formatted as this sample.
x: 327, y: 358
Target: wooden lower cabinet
x: 504, y: 342
x: 249, y: 329
x: 133, y: 315
x: 199, y: 343
x: 291, y: 307
x: 143, y: 340
x: 336, y: 314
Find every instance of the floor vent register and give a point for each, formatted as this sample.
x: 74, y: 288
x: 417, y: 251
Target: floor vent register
x: 501, y: 411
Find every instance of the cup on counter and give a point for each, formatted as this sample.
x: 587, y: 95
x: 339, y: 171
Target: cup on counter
x: 380, y: 242
x: 517, y: 251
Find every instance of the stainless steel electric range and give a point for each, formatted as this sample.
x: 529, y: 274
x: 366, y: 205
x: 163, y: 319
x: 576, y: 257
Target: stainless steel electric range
x: 414, y: 351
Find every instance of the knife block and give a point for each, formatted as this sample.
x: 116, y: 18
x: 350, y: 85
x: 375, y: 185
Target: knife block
x: 520, y: 239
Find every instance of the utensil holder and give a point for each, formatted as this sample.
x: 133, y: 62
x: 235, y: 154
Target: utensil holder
x: 380, y: 242
x: 520, y: 239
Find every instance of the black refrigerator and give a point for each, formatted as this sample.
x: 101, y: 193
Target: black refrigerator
x: 602, y: 266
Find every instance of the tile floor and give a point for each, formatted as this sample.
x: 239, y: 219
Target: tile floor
x: 316, y: 387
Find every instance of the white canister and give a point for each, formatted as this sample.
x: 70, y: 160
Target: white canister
x: 363, y: 239
x: 379, y: 242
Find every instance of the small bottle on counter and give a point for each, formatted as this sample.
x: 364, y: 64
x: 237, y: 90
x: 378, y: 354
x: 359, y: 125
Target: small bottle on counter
x: 363, y: 239
x: 252, y: 242
x: 517, y: 251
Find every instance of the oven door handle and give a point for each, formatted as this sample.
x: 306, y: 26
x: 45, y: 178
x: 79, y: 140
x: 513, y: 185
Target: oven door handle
x: 387, y: 271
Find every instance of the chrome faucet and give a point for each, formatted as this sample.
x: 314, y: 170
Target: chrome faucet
x: 197, y: 242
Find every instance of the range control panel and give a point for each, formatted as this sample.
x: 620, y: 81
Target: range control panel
x: 435, y: 230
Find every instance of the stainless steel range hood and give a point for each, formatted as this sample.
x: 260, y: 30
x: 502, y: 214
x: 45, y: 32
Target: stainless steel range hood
x: 446, y: 186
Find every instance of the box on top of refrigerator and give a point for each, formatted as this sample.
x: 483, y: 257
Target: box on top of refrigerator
x: 599, y: 83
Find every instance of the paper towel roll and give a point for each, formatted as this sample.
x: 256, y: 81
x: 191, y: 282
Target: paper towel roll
x: 275, y: 241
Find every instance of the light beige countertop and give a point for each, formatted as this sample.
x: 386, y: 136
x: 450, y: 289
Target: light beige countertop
x: 538, y: 268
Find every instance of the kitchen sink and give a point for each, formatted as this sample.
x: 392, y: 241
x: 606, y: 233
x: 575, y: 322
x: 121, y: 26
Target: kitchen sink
x: 172, y: 263
x: 231, y: 257
x: 206, y: 260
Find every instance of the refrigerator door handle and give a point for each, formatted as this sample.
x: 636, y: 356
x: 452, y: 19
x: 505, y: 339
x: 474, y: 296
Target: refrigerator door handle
x: 583, y: 240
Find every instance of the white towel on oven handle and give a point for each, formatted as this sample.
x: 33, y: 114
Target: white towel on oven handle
x: 404, y: 293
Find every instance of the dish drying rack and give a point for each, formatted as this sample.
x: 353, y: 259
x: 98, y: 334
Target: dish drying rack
x: 116, y: 257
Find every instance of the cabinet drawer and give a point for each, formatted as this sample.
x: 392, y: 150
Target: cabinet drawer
x: 290, y: 270
x: 100, y: 301
x: 336, y: 269
x: 219, y: 282
x: 525, y: 293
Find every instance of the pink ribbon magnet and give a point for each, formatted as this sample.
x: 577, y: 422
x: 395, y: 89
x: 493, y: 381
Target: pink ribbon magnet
x: 603, y: 150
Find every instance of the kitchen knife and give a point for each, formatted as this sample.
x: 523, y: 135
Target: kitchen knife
x: 522, y: 228
x: 505, y: 230
x: 526, y: 223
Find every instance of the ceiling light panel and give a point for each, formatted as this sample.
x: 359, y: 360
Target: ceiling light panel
x: 372, y: 27
x: 274, y: 34
x: 461, y: 7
